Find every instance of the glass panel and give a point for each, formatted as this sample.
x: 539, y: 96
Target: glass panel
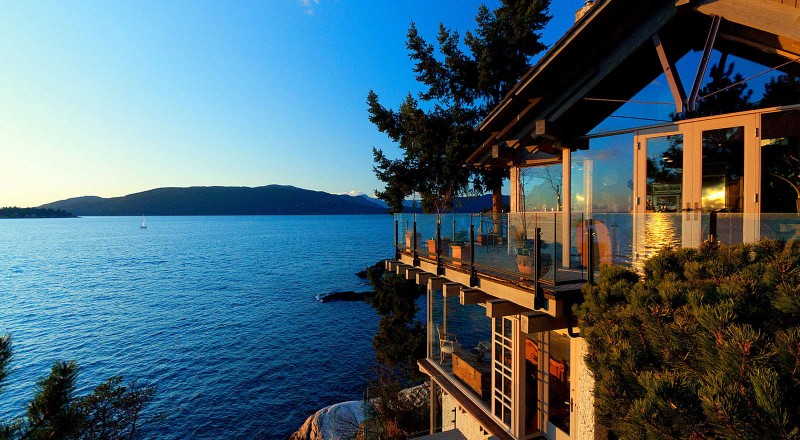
x: 558, y: 387
x: 780, y: 163
x: 664, y: 173
x: 723, y: 170
x: 531, y: 386
x: 468, y: 338
x: 602, y: 176
x: 541, y: 188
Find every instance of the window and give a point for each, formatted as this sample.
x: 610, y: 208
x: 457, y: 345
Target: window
x: 503, y: 369
x: 558, y: 386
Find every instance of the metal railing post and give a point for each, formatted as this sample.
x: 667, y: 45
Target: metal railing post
x: 396, y: 239
x: 590, y: 251
x: 538, y: 300
x: 712, y: 226
x: 439, y: 268
x: 415, y: 261
x: 473, y: 275
x: 555, y: 240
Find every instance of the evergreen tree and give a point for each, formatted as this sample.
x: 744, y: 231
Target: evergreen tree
x: 460, y: 89
x: 706, y: 345
x: 112, y: 411
x: 724, y: 93
x: 393, y: 411
x: 782, y: 90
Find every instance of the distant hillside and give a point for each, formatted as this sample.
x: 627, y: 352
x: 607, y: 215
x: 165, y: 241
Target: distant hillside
x: 463, y: 204
x: 220, y: 200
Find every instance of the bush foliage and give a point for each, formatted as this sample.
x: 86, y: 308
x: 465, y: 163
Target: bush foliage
x: 705, y: 345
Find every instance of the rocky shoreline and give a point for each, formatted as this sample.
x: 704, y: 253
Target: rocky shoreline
x: 339, y: 421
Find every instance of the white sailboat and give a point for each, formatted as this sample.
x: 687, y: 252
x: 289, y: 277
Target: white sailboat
x: 144, y: 223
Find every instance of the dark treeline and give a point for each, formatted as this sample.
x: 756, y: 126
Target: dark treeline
x: 15, y: 212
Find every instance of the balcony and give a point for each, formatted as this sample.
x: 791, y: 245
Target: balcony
x: 549, y: 255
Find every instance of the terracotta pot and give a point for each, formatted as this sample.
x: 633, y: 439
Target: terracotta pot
x: 525, y: 264
x: 460, y: 254
x: 432, y: 245
x: 408, y: 240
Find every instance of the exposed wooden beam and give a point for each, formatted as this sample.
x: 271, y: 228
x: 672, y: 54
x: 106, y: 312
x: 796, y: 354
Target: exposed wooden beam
x: 411, y: 273
x: 497, y: 308
x: 401, y: 269
x: 423, y: 277
x: 451, y: 289
x: 436, y: 283
x: 548, y: 130
x: 671, y: 73
x: 776, y: 18
x: 473, y: 296
x: 502, y: 151
x: 535, y: 322
x: 510, y: 126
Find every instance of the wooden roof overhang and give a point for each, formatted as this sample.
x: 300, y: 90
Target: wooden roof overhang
x: 610, y: 54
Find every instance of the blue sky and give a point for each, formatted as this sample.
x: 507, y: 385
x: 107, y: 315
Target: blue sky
x: 110, y: 98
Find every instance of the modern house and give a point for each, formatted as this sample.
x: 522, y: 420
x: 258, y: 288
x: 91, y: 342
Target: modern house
x: 601, y: 174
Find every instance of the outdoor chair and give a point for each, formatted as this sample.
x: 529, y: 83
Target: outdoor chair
x: 448, y: 343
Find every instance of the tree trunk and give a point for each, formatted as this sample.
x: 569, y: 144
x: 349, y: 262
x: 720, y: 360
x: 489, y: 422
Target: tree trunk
x: 497, y: 209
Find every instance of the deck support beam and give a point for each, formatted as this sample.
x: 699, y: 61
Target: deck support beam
x: 497, y: 308
x: 473, y: 296
x: 436, y: 283
x: 450, y: 290
x: 535, y: 322
x: 423, y: 277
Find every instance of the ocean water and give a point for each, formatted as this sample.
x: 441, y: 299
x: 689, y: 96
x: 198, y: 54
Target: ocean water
x: 219, y: 312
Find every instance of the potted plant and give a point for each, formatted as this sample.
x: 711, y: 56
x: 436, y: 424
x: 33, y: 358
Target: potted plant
x: 431, y: 242
x: 525, y: 258
x: 460, y: 248
x: 409, y: 237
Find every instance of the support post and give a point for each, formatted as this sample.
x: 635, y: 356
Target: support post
x: 434, y: 407
x: 473, y: 276
x: 396, y: 239
x: 712, y: 227
x: 671, y: 74
x: 439, y: 267
x: 538, y: 297
x: 701, y: 69
x: 590, y: 251
x: 415, y: 261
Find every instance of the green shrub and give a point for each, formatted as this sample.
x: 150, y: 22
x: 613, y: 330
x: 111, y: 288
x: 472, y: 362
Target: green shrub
x: 705, y: 345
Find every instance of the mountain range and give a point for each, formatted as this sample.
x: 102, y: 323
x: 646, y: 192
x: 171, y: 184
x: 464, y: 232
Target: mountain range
x: 227, y: 200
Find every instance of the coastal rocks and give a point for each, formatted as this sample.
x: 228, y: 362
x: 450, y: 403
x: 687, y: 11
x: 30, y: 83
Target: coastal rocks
x: 348, y: 295
x: 339, y: 421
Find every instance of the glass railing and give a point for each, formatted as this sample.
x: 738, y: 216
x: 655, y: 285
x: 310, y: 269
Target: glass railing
x: 461, y: 343
x: 505, y: 245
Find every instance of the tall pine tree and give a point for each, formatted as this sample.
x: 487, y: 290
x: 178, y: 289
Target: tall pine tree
x: 460, y: 89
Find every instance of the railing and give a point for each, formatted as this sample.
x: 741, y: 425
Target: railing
x: 533, y: 248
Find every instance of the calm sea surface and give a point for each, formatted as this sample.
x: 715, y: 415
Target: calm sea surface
x: 219, y: 312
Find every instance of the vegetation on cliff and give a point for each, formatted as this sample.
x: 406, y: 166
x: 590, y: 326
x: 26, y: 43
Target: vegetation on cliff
x: 400, y: 340
x: 705, y: 345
